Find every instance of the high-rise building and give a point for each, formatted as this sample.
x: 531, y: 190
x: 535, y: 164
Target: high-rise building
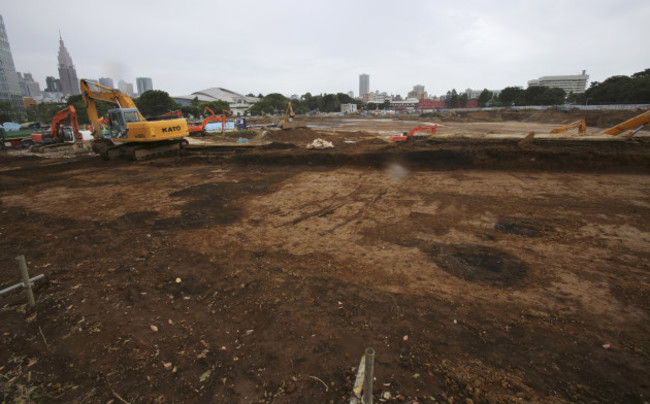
x: 144, y: 84
x: 67, y: 72
x: 53, y: 84
x: 106, y: 81
x: 364, y: 85
x: 570, y: 84
x: 126, y: 88
x: 28, y: 86
x: 9, y: 87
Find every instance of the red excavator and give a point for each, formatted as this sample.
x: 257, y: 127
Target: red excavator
x: 60, y: 132
x: 200, y: 130
x: 408, y: 135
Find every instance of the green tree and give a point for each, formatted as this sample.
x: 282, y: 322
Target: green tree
x: 462, y: 100
x: 552, y: 96
x: 271, y: 104
x: 77, y: 102
x: 576, y: 98
x: 216, y: 106
x: 7, y: 112
x: 621, y: 90
x: 155, y: 102
x: 330, y: 103
x: 511, y: 95
x: 451, y: 99
x: 484, y: 97
x: 42, y: 112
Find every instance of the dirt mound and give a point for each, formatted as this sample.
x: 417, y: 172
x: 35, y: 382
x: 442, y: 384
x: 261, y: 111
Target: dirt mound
x: 301, y: 135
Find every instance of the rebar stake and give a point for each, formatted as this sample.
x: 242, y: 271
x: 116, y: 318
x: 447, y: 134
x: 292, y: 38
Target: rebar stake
x: 369, y: 375
x: 26, y: 281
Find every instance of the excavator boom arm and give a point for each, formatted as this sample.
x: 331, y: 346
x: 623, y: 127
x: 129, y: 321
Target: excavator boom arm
x: 633, y: 125
x: 93, y: 91
x: 66, y: 114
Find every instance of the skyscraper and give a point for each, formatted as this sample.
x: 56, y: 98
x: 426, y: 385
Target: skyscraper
x: 106, y: 81
x: 53, y: 84
x: 364, y: 85
x: 126, y: 88
x: 67, y: 72
x: 28, y: 86
x: 9, y: 87
x: 144, y: 84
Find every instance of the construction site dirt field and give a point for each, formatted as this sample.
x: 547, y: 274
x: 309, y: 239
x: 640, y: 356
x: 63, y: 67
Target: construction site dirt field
x: 481, y: 264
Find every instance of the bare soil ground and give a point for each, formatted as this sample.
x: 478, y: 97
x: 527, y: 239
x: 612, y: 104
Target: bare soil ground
x: 481, y: 267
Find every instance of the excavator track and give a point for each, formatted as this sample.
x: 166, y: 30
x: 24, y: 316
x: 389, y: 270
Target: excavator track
x: 137, y: 151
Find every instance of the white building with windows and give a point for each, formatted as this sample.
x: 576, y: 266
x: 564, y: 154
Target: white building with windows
x: 570, y: 84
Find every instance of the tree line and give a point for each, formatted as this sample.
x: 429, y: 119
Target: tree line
x: 634, y: 89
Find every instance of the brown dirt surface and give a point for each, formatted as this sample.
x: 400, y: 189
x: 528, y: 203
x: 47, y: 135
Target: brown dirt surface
x: 480, y: 269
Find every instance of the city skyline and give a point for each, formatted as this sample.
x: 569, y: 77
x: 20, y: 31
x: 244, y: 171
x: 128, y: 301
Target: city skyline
x: 469, y: 45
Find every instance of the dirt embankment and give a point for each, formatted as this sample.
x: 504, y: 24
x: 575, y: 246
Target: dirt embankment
x: 601, y: 119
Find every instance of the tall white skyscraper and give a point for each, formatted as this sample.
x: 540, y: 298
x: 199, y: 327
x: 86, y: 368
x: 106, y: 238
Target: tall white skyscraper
x: 9, y: 87
x: 144, y: 84
x: 126, y: 88
x: 67, y: 72
x: 364, y: 84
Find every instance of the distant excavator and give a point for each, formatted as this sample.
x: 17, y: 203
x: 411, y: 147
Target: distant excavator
x: 200, y: 129
x: 64, y: 130
x: 406, y: 136
x: 581, y: 125
x: 288, y: 122
x: 630, y: 127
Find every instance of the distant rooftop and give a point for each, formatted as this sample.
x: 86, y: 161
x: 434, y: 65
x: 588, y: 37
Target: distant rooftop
x: 218, y: 94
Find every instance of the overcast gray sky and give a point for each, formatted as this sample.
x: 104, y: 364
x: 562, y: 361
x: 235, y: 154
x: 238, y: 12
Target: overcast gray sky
x: 292, y: 47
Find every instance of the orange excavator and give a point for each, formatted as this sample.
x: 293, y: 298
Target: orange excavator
x: 200, y: 130
x: 630, y: 127
x: 404, y: 137
x: 581, y: 125
x: 178, y: 113
x: 64, y: 129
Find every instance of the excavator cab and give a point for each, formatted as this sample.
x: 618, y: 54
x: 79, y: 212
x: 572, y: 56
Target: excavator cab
x: 117, y: 120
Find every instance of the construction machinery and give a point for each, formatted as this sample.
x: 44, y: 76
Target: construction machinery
x: 200, y: 129
x: 287, y: 122
x: 406, y: 136
x: 132, y: 136
x: 581, y: 125
x: 630, y: 127
x: 64, y: 130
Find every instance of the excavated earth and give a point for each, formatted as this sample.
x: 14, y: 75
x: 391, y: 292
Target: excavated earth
x: 481, y: 265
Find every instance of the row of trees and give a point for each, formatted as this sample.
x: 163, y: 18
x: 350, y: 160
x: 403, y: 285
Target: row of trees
x: 633, y: 89
x: 277, y: 103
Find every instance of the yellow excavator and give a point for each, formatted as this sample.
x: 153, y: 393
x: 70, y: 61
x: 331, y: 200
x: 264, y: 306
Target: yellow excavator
x: 631, y: 126
x: 131, y: 135
x: 287, y: 122
x: 581, y: 125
